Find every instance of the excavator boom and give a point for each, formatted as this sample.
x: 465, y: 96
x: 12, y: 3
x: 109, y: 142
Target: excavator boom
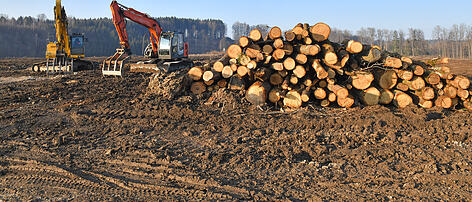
x: 121, y: 12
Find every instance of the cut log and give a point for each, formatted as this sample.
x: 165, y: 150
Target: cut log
x: 278, y: 44
x: 431, y: 77
x: 236, y: 83
x: 402, y: 86
x: 299, y: 71
x: 408, y: 61
x: 277, y: 66
x: 243, y: 60
x: 209, y: 84
x: 278, y: 54
x: 331, y: 73
x: 320, y: 93
x: 340, y: 91
x: 308, y: 82
x: 283, y: 73
x: 275, y: 33
x: 198, y: 88
x: 311, y: 50
x: 289, y: 63
x: 321, y: 73
x: 463, y: 94
x: 417, y: 70
x: 320, y: 32
x: 323, y: 84
x: 267, y: 49
x: 427, y: 93
x: 305, y: 95
x: 404, y: 74
x: 362, y: 80
x: 275, y: 95
x: 234, y: 51
x: 292, y: 99
x: 461, y: 82
x: 329, y: 56
x: 370, y: 96
x: 255, y: 35
x: 293, y: 80
x: 288, y: 49
x: 417, y: 83
x: 244, y: 41
x: 401, y: 99
x: 325, y: 103
x: 450, y: 91
x: 195, y: 73
x: 276, y: 79
x: 468, y: 105
x: 242, y: 71
x: 298, y: 31
x: 371, y: 54
x: 208, y: 75
x: 346, y: 102
x: 387, y: 79
x: 393, y: 62
x: 301, y: 59
x: 227, y: 72
x: 386, y: 96
x: 222, y: 83
x: 234, y: 67
x: 354, y: 46
x: 443, y: 101
x: 257, y: 93
x: 262, y: 74
x: 253, y: 51
x: 308, y: 40
x: 218, y: 66
x: 427, y: 104
x: 289, y: 36
x: 332, y: 97
x: 251, y: 65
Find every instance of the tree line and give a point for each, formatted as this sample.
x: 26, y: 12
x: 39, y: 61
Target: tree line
x: 454, y: 42
x: 28, y: 36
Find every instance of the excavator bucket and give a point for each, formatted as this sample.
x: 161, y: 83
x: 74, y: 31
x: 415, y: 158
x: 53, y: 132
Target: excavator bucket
x: 114, y: 65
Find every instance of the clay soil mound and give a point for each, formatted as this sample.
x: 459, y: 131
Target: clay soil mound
x: 88, y: 137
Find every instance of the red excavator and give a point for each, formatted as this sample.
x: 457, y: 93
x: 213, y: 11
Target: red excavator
x: 167, y: 51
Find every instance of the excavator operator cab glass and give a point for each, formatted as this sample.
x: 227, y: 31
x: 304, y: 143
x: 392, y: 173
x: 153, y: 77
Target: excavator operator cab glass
x: 180, y: 39
x: 77, y: 47
x: 164, y: 44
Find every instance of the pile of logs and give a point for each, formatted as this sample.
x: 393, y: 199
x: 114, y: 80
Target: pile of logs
x: 302, y: 65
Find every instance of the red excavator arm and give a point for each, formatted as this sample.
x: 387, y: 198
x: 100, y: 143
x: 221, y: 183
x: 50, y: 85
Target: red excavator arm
x: 121, y: 12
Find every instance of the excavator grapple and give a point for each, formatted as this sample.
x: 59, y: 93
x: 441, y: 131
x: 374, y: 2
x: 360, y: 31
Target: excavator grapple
x: 114, y: 65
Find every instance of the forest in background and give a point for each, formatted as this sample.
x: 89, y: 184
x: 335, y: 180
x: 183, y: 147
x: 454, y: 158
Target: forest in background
x: 28, y: 36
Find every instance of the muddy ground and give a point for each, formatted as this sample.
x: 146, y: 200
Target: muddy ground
x: 86, y: 137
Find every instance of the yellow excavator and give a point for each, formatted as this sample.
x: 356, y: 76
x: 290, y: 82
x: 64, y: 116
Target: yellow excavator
x: 66, y: 53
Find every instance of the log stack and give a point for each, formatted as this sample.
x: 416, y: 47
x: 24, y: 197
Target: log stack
x: 303, y: 66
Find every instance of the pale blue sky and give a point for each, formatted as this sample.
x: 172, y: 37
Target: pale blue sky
x: 342, y: 14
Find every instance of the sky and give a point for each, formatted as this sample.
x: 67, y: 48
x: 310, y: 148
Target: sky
x: 342, y: 14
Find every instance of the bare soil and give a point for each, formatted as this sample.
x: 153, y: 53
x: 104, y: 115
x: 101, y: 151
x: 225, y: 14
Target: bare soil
x: 88, y: 137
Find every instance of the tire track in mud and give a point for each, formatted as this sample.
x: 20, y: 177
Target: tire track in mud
x: 31, y: 173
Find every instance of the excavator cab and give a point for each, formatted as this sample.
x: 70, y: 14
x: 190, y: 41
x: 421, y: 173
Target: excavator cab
x: 171, y: 46
x: 77, y: 48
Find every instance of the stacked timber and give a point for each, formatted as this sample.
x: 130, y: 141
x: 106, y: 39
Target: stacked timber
x: 303, y: 66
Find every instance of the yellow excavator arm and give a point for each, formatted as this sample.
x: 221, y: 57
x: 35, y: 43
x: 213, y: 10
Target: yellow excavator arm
x: 62, y: 45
